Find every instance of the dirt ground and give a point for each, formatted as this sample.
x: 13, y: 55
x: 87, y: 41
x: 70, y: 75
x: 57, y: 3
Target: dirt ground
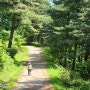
x: 38, y: 80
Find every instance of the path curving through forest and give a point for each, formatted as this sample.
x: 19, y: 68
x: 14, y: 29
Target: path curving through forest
x: 38, y: 80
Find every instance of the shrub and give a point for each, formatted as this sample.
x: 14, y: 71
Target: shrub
x: 85, y: 86
x: 12, y: 51
x: 4, y: 36
x: 47, y: 55
x: 37, y: 44
x: 76, y: 82
x: 18, y: 41
x: 74, y: 75
x: 65, y: 77
x: 5, y: 60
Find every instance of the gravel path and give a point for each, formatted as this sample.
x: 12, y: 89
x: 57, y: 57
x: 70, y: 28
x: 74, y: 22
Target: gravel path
x: 38, y: 80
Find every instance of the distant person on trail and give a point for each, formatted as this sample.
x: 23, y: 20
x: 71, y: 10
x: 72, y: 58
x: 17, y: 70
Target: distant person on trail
x: 29, y: 68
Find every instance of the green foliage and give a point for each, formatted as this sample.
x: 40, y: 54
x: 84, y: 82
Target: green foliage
x: 10, y: 71
x: 85, y: 69
x: 37, y: 44
x: 4, y: 37
x: 68, y: 35
x: 5, y: 60
x: 85, y: 86
x: 74, y: 75
x: 65, y: 77
x: 64, y: 27
x: 18, y: 40
x: 47, y: 55
x: 62, y: 78
x: 12, y: 51
x: 23, y: 53
x: 23, y: 13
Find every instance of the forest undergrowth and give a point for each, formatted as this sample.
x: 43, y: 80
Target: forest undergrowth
x: 12, y: 68
x: 62, y: 78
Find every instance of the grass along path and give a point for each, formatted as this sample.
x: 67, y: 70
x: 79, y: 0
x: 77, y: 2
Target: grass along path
x: 62, y: 78
x: 11, y: 75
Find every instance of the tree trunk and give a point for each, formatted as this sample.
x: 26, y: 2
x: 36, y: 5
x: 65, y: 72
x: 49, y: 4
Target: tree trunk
x: 11, y: 32
x: 79, y: 58
x: 86, y: 55
x: 65, y: 57
x: 65, y: 62
x: 74, y: 59
x: 87, y: 51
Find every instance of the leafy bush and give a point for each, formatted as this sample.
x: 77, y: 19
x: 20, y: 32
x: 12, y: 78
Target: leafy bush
x: 10, y: 71
x: 18, y: 41
x: 84, y: 70
x: 76, y: 82
x: 4, y: 35
x: 74, y: 75
x: 85, y: 86
x: 5, y: 60
x: 37, y: 44
x: 47, y: 55
x: 12, y: 51
x: 65, y: 77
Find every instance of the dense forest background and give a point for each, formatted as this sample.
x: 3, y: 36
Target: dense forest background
x: 63, y: 26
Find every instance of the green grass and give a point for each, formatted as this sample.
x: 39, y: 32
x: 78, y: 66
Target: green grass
x: 62, y: 78
x: 21, y: 55
x: 54, y: 74
x: 57, y: 76
x: 37, y: 44
x: 10, y: 76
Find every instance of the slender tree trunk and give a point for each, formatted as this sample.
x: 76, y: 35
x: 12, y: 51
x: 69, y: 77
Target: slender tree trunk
x: 65, y: 62
x: 39, y: 38
x: 87, y: 51
x: 60, y: 60
x: 86, y: 54
x: 74, y: 59
x: 11, y: 32
x: 65, y: 58
x: 79, y: 58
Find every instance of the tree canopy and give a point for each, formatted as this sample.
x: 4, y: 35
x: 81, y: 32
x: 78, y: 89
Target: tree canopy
x: 61, y: 25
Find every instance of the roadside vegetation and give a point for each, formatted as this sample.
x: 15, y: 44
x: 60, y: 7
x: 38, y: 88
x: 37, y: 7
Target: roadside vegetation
x: 68, y: 42
x: 63, y: 78
x: 37, y: 44
x: 12, y: 67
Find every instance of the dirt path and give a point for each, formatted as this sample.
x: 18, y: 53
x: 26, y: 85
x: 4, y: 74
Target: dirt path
x: 38, y: 80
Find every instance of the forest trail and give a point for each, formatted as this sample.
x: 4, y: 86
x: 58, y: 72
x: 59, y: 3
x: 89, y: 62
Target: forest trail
x: 38, y: 80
